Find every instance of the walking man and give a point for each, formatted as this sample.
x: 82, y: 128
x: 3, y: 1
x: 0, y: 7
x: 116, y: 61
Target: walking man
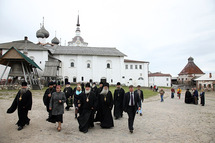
x: 140, y: 93
x: 131, y: 103
x: 162, y: 94
x: 22, y: 101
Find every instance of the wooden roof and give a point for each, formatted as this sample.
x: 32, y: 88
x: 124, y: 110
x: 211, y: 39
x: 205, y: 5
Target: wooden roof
x: 15, y: 55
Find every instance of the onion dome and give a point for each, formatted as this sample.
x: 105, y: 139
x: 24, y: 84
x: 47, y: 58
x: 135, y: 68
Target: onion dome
x: 45, y: 32
x: 55, y: 41
x: 39, y: 34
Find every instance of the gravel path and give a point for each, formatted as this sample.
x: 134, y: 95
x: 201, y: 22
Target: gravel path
x: 170, y: 121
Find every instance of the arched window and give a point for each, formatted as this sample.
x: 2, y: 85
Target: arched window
x: 72, y: 64
x: 130, y: 79
x: 140, y: 78
x: 108, y: 65
x: 88, y: 65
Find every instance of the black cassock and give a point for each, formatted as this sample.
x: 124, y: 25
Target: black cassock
x: 94, y: 89
x: 202, y: 96
x: 118, y: 102
x: 46, y: 99
x: 98, y: 108
x: 69, y: 93
x: 106, y: 102
x: 23, y: 103
x: 88, y: 104
x: 188, y: 97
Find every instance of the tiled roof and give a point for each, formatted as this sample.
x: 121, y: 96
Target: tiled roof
x: 92, y: 51
x: 191, y: 68
x: 134, y: 61
x: 158, y: 74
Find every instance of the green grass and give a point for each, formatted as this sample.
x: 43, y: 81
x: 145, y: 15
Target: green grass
x: 147, y: 92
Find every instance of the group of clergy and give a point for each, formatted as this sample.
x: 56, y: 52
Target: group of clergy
x: 91, y: 104
x: 193, y: 96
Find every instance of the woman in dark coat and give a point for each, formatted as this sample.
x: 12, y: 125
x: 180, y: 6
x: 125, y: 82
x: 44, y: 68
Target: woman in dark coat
x: 57, y: 106
x: 77, y: 94
x: 202, y: 96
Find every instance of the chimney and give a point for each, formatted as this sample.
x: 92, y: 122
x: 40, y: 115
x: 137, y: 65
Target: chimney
x: 25, y: 38
x: 210, y: 75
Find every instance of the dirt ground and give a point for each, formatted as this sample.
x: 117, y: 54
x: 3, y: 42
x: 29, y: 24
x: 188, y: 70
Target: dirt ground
x: 169, y: 121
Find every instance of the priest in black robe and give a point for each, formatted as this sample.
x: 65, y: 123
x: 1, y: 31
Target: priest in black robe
x: 106, y: 101
x: 47, y: 97
x: 188, y: 97
x: 87, y: 105
x: 22, y: 101
x: 94, y: 88
x: 118, y: 101
x: 69, y: 96
x: 98, y: 108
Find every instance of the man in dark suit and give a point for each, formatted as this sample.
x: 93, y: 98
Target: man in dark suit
x: 140, y: 93
x: 131, y: 103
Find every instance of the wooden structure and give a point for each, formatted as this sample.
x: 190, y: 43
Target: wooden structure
x: 21, y: 67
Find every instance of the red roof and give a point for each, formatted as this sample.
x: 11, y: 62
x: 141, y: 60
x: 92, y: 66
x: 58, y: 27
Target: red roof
x: 158, y: 74
x: 191, y: 68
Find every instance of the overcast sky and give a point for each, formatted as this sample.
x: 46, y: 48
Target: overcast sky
x: 164, y: 32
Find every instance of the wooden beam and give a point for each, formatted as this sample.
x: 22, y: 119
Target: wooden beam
x: 24, y: 71
x: 29, y: 76
x: 4, y: 71
x: 7, y: 78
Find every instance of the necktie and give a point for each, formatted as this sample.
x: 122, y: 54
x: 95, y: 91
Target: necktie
x: 132, y: 102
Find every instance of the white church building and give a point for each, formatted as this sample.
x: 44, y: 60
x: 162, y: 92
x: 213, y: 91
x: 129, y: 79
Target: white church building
x: 79, y: 63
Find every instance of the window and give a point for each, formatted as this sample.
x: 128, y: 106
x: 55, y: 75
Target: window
x: 123, y: 77
x: 167, y: 79
x: 204, y: 85
x: 131, y: 66
x: 140, y: 78
x: 140, y: 66
x: 111, y: 80
x: 186, y: 78
x: 209, y: 85
x: 108, y: 65
x: 167, y: 84
x: 126, y: 66
x: 74, y: 79
x: 88, y: 65
x: 136, y: 67
x: 82, y: 78
x: 72, y: 64
x: 130, y: 79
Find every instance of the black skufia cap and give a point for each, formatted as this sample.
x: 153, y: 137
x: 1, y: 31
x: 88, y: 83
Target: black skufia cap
x: 87, y: 85
x: 24, y: 83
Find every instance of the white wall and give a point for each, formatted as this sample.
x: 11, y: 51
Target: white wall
x: 160, y: 81
x: 98, y: 68
x: 136, y: 74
